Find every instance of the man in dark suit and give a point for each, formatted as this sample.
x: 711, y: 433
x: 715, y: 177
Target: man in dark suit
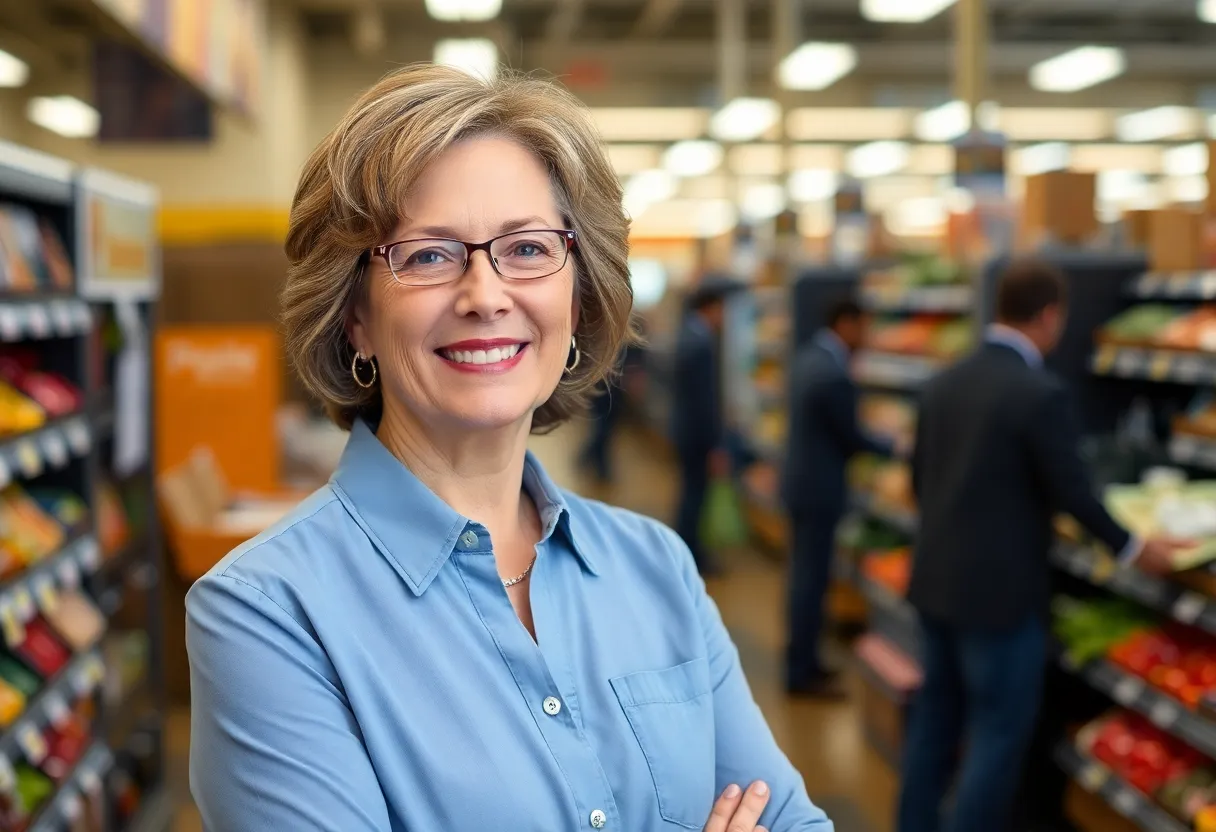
x: 698, y: 428
x: 823, y: 436
x: 995, y: 459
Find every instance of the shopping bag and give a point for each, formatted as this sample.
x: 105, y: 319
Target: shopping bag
x: 722, y: 521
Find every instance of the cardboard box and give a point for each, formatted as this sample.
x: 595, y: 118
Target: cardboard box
x: 1176, y: 240
x: 1136, y: 227
x: 1059, y: 207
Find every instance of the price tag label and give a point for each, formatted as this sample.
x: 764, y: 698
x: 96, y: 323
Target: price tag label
x: 1163, y: 714
x: 1207, y: 285
x: 23, y: 603
x: 1129, y: 362
x: 32, y: 743
x: 1160, y: 366
x: 1104, y: 359
x: 1188, y: 368
x: 1093, y: 777
x: 65, y: 321
x: 38, y: 321
x: 96, y: 669
x: 1125, y: 802
x: 10, y: 323
x: 55, y: 448
x: 1189, y: 607
x: 72, y: 807
x: 1101, y: 570
x: 1127, y: 690
x: 10, y: 622
x: 8, y: 777
x: 57, y: 710
x: 89, y: 553
x: 6, y: 476
x: 44, y: 589
x: 69, y: 573
x: 1178, y: 285
x: 90, y: 782
x: 28, y: 458
x: 77, y: 432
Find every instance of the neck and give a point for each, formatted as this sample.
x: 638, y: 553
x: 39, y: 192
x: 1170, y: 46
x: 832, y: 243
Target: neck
x: 479, y: 474
x: 1020, y: 332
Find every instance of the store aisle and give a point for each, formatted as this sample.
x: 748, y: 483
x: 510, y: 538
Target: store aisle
x: 824, y: 740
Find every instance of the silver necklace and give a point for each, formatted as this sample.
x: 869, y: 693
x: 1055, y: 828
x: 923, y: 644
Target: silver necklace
x: 522, y: 576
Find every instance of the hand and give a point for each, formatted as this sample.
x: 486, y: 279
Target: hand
x: 1157, y: 554
x: 719, y: 463
x: 739, y: 811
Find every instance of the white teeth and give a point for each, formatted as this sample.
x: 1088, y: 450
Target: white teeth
x: 491, y: 356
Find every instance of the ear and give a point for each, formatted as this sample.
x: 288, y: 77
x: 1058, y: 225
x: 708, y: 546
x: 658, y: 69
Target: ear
x: 358, y: 331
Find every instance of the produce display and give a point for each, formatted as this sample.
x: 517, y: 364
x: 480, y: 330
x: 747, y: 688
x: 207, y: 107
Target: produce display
x: 1200, y: 415
x: 887, y: 482
x: 869, y: 535
x: 932, y: 336
x: 32, y: 255
x: 916, y: 271
x: 1164, y: 326
x: 1088, y: 629
x: 890, y: 569
x: 1175, y: 660
x: 1169, y: 505
x: 892, y: 416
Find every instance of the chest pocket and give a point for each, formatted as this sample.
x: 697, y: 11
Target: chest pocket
x: 672, y: 715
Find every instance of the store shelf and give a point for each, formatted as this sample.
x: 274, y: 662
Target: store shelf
x: 900, y: 520
x: 38, y: 317
x: 1173, y: 366
x: 51, y: 446
x: 154, y: 815
x: 1198, y: 285
x: 879, y: 596
x: 1159, y: 594
x: 956, y: 299
x: 896, y: 372
x: 87, y: 776
x: 772, y: 348
x: 770, y: 400
x: 1097, y: 779
x: 84, y: 673
x: 28, y: 174
x: 71, y: 564
x: 1163, y: 710
x: 1190, y: 449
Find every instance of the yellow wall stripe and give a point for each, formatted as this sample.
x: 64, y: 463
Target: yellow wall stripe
x: 197, y: 225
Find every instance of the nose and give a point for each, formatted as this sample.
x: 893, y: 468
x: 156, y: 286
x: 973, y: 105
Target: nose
x: 480, y: 291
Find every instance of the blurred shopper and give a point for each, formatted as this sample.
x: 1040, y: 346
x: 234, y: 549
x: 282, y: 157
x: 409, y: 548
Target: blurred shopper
x: 995, y: 459
x: 441, y: 639
x: 823, y: 435
x: 606, y: 408
x: 698, y: 429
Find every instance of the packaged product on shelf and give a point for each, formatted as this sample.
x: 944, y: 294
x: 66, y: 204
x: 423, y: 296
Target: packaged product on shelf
x: 18, y: 675
x: 53, y: 393
x: 68, y: 509
x: 1088, y: 629
x: 1187, y: 510
x: 22, y: 264
x: 12, y: 703
x: 1193, y: 331
x: 18, y: 412
x: 891, y: 569
x: 67, y: 737
x: 75, y: 619
x: 1140, y: 753
x: 33, y: 790
x: 26, y: 531
x: 1140, y: 325
x: 58, y: 264
x: 112, y: 528
x: 41, y: 649
x: 1175, y: 660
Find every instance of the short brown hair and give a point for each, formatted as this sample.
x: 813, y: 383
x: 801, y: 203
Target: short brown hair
x: 351, y: 194
x: 1026, y: 288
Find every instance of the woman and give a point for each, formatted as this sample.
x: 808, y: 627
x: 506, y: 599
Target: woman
x: 440, y: 639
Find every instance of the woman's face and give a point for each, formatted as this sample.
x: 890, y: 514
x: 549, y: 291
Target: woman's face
x: 480, y: 352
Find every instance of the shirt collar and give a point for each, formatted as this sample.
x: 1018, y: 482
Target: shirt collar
x: 410, y: 525
x: 831, y: 342
x: 1009, y: 337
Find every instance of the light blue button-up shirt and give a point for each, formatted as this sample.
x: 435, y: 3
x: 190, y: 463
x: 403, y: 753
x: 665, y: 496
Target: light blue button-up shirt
x: 359, y: 667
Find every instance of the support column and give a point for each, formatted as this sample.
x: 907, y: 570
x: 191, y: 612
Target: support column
x: 732, y: 49
x: 971, y: 53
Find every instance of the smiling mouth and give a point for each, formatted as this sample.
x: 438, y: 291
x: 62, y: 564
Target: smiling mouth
x: 494, y: 355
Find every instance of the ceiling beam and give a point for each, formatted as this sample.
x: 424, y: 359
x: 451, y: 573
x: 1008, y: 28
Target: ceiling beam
x: 565, y: 20
x: 656, y: 16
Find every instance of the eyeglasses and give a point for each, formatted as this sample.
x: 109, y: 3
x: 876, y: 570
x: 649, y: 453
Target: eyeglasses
x: 520, y: 255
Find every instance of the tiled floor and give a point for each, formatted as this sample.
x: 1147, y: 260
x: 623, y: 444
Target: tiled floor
x: 824, y: 741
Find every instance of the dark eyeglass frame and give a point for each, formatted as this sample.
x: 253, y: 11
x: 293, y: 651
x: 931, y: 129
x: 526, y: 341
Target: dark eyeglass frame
x: 568, y: 236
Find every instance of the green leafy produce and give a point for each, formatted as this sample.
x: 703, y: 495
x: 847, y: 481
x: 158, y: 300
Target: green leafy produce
x: 1141, y: 322
x: 868, y: 535
x: 954, y: 338
x: 1088, y: 629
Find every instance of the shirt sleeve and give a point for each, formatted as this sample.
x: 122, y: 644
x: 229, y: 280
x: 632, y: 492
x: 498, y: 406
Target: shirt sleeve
x: 745, y: 747
x: 273, y: 742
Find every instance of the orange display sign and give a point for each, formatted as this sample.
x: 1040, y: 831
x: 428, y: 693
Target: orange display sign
x: 220, y: 387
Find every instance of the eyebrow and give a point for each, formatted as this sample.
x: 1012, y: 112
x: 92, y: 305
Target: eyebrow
x: 447, y: 232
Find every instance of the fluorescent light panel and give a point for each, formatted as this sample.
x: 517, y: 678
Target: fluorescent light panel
x: 646, y: 188
x: 848, y: 124
x: 744, y: 119
x: 816, y: 66
x: 903, y: 11
x: 1185, y: 160
x: 452, y: 11
x: 812, y: 185
x: 1170, y: 122
x: 1084, y: 67
x: 14, y: 72
x: 650, y: 124
x: 1206, y: 10
x: 692, y: 158
x: 64, y: 115
x: 944, y: 123
x: 878, y: 159
x: 1043, y: 158
x: 763, y: 200
x: 476, y: 56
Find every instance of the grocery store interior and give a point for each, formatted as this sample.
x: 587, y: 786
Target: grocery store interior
x: 898, y: 152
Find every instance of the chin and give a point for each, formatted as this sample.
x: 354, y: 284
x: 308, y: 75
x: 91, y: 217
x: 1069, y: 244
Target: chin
x: 491, y: 416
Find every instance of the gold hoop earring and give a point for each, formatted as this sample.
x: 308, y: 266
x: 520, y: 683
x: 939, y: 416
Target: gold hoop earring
x: 354, y: 370
x: 578, y: 356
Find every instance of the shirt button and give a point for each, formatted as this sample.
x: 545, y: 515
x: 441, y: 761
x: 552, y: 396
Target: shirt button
x: 469, y: 539
x: 552, y: 705
x: 598, y: 819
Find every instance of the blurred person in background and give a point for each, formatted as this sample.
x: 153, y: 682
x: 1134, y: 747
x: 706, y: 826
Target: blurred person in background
x: 995, y: 459
x: 823, y: 435
x: 698, y: 427
x: 440, y: 638
x: 606, y: 409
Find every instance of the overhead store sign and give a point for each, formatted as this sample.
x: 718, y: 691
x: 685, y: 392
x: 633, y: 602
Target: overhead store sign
x: 215, y: 44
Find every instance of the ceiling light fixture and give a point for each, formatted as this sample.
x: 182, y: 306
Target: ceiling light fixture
x: 1185, y: 160
x: 816, y: 66
x: 744, y: 119
x: 812, y: 185
x: 1083, y: 67
x: 692, y: 158
x: 878, y: 159
x: 903, y: 11
x: 452, y: 11
x: 944, y: 123
x: 476, y: 56
x: 1043, y: 158
x: 763, y: 200
x: 14, y: 72
x: 1206, y: 9
x: 64, y: 115
x: 1169, y: 122
x: 646, y: 188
